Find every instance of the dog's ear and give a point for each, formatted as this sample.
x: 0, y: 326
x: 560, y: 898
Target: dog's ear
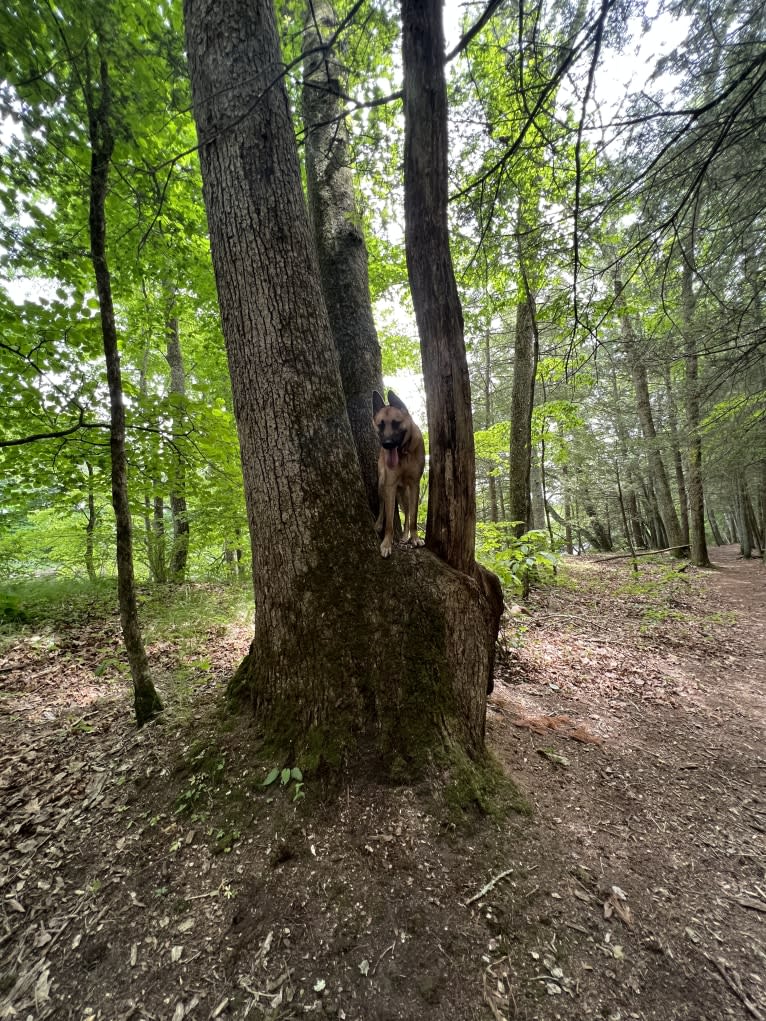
x: 394, y: 401
x: 377, y: 402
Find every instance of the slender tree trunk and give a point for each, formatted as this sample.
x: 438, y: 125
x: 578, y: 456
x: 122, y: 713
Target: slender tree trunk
x: 646, y: 418
x: 590, y: 536
x: 338, y: 235
x: 451, y: 519
x: 493, y: 515
x: 718, y: 538
x: 159, y: 567
x: 451, y: 523
x: 567, y: 512
x: 90, y: 526
x: 683, y: 503
x: 751, y: 518
x: 628, y: 459
x: 352, y: 654
x: 146, y: 700
x: 525, y: 354
x: 743, y: 525
x: 699, y: 554
x: 537, y: 497
x: 154, y: 506
x: 180, y: 551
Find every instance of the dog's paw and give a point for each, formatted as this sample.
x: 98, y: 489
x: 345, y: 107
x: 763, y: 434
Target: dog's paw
x: 416, y: 541
x: 385, y: 548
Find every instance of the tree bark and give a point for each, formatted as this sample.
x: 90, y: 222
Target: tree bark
x: 451, y: 522
x: 179, y: 554
x: 338, y: 235
x: 147, y: 702
x: 352, y: 654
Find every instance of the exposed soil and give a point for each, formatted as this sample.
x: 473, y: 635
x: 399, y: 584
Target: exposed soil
x: 151, y: 875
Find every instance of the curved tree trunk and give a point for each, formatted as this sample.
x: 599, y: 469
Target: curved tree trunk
x: 338, y: 236
x: 352, y: 654
x: 147, y: 702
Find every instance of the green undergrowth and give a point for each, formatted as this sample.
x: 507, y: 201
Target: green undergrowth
x: 518, y: 561
x: 185, y: 608
x: 55, y: 602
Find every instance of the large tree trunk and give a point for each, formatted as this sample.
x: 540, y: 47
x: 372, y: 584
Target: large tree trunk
x: 146, y: 700
x: 450, y: 527
x: 337, y: 228
x: 646, y: 418
x: 180, y: 552
x: 352, y: 654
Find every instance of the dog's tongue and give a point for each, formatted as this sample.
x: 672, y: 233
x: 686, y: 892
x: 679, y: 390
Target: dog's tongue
x: 392, y: 457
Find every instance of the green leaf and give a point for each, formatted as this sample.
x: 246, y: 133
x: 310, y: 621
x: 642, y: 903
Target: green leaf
x: 271, y: 777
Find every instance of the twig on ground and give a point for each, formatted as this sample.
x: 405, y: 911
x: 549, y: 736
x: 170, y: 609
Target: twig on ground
x: 735, y: 984
x: 489, y: 886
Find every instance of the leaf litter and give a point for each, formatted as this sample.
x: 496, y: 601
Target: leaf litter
x: 111, y: 898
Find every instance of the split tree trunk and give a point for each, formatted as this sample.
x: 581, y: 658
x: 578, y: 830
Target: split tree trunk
x: 352, y: 654
x: 338, y: 235
x: 450, y: 527
x: 147, y: 702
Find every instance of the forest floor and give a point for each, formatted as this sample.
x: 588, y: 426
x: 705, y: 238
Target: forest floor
x: 151, y: 875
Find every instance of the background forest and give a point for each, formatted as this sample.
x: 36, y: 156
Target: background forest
x: 607, y: 215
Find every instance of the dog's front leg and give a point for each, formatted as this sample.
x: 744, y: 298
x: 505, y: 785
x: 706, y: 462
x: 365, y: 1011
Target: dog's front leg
x: 412, y: 505
x: 390, y: 503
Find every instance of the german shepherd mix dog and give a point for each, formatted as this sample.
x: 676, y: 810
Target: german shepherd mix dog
x: 400, y: 467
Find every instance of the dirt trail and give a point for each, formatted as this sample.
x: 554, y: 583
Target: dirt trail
x: 151, y: 876
x: 670, y: 808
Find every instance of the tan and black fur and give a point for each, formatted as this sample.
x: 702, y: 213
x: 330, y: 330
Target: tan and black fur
x: 400, y: 467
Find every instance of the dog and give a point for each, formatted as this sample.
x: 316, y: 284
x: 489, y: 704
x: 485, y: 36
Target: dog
x: 401, y: 462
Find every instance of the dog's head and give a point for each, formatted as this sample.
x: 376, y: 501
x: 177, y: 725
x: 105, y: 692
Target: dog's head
x: 393, y: 425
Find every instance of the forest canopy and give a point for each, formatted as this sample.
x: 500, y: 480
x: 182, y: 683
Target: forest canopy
x: 606, y: 222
